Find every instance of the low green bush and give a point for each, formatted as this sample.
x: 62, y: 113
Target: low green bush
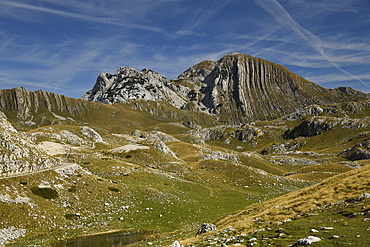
x: 47, y: 193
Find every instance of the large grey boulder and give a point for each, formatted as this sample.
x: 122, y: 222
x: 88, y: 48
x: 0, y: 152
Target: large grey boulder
x: 308, y: 240
x: 176, y: 244
x: 360, y: 151
x: 206, y: 227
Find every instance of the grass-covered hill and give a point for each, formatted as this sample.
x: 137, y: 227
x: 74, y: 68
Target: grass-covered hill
x: 335, y: 210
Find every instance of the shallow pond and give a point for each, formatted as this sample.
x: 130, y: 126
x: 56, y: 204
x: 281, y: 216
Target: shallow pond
x: 116, y: 239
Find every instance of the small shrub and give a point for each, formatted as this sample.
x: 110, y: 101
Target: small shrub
x: 128, y: 156
x: 71, y: 216
x: 47, y: 193
x: 113, y: 189
x: 73, y: 189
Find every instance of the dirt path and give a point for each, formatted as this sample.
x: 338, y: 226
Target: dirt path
x: 65, y: 165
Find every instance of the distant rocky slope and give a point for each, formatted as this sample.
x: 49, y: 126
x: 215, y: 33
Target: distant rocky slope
x: 40, y: 107
x: 237, y: 89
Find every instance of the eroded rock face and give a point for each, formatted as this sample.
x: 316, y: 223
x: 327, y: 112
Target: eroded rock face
x: 206, y: 227
x: 129, y: 84
x: 360, y: 151
x: 318, y: 125
x: 18, y: 154
x: 224, y: 133
x: 247, y: 88
x: 27, y: 103
x: 308, y: 240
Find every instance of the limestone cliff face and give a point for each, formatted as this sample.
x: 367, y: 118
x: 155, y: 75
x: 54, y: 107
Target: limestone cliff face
x: 236, y: 89
x: 18, y: 154
x: 31, y: 105
x: 247, y: 88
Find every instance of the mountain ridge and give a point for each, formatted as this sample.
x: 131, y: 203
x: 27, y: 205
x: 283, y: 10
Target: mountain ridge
x: 237, y: 88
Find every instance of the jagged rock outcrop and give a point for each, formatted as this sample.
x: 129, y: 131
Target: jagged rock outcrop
x: 320, y: 124
x: 224, y: 133
x: 91, y: 133
x: 360, y: 107
x: 284, y: 148
x: 299, y: 113
x: 129, y: 84
x: 19, y: 155
x: 157, y: 139
x: 206, y: 227
x: 237, y: 89
x: 360, y: 151
x: 348, y: 90
x: 87, y: 138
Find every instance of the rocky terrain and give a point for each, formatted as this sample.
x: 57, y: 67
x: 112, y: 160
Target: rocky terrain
x: 239, y: 150
x: 19, y: 155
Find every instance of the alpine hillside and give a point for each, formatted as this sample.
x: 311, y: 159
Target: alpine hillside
x: 238, y: 151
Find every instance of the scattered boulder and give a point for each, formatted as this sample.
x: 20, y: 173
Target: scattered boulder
x: 91, y: 133
x: 11, y: 233
x: 360, y: 151
x: 224, y: 133
x: 363, y: 195
x: 308, y: 240
x: 327, y: 228
x: 206, y: 227
x: 176, y: 244
x: 310, y: 110
x: 320, y: 124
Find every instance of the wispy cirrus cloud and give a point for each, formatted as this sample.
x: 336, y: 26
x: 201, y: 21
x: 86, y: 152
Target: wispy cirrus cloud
x: 329, y: 6
x: 84, y: 17
x: 278, y: 12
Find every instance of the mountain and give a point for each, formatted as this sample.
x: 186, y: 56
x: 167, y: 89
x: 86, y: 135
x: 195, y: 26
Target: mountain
x: 142, y: 152
x: 236, y: 89
x: 40, y: 107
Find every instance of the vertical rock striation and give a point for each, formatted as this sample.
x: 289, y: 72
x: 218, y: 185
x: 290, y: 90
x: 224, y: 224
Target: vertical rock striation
x: 40, y: 106
x: 248, y: 88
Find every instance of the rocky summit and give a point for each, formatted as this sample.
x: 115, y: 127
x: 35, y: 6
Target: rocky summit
x: 237, y: 89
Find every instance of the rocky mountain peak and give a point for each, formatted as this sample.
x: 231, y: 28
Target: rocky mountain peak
x: 129, y: 84
x: 237, y: 88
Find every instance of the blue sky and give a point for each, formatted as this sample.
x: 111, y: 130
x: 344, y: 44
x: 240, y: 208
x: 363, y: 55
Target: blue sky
x: 61, y: 46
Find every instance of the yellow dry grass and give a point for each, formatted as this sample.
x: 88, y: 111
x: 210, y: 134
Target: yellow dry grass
x: 344, y: 186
